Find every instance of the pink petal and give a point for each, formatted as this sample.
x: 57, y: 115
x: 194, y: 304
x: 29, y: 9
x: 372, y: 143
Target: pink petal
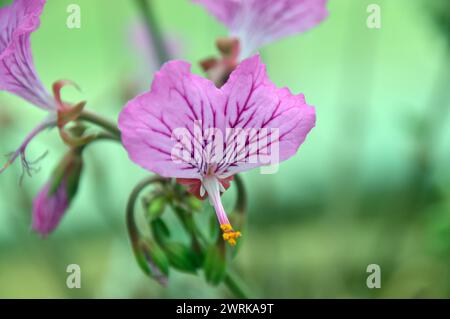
x: 17, y: 71
x: 260, y: 22
x: 224, y: 10
x: 256, y: 103
x: 265, y: 125
x: 176, y: 101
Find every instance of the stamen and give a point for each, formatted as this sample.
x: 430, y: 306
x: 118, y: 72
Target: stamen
x: 211, y: 185
x: 229, y: 234
x: 20, y: 152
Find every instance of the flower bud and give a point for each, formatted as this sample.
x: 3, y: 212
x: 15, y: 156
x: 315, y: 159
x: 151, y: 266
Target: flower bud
x: 160, y: 231
x: 156, y: 206
x: 181, y: 257
x: 56, y: 195
x: 194, y: 203
x: 153, y: 260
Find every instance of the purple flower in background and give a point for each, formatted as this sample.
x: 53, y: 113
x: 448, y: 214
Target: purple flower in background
x: 189, y: 129
x: 141, y: 43
x: 18, y: 75
x: 260, y: 22
x: 140, y: 40
x: 17, y: 71
x: 55, y: 196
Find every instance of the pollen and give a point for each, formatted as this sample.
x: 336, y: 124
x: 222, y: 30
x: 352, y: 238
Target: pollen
x: 229, y: 234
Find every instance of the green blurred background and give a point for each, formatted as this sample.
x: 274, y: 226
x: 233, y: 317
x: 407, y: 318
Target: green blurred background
x: 371, y: 185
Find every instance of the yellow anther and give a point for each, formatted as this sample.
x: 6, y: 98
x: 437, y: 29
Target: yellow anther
x: 229, y: 234
x: 226, y: 228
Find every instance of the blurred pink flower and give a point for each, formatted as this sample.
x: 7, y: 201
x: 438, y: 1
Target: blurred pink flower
x: 142, y: 46
x: 260, y: 22
x: 174, y: 130
x: 140, y: 43
x: 18, y: 74
x: 17, y: 71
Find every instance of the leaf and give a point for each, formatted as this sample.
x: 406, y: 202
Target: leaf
x: 159, y: 258
x: 215, y: 265
x: 181, y: 257
x: 153, y: 261
x: 161, y: 232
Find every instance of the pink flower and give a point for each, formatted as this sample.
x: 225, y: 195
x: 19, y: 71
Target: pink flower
x: 17, y: 71
x: 260, y: 22
x: 56, y: 195
x: 18, y: 74
x: 189, y: 129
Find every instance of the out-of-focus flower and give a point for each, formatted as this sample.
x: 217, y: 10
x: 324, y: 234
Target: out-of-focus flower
x: 49, y: 122
x: 260, y: 22
x: 56, y: 195
x: 17, y: 71
x: 189, y: 129
x: 142, y: 45
x: 140, y: 41
x: 18, y: 74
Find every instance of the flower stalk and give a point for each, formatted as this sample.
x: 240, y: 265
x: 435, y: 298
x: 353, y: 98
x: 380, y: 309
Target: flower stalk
x: 147, y: 253
x: 100, y: 121
x: 178, y: 255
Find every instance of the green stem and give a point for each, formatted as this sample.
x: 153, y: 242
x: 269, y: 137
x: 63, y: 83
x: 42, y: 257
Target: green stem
x: 100, y: 121
x: 103, y: 136
x: 232, y: 283
x: 241, y: 202
x: 133, y: 230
